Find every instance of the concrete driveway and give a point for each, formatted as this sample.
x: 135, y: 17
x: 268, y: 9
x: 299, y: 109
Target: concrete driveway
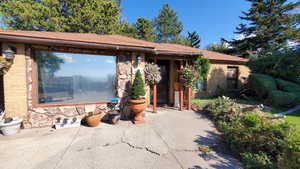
x: 169, y: 140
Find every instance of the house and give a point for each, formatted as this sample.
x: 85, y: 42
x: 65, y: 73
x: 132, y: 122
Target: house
x: 58, y: 74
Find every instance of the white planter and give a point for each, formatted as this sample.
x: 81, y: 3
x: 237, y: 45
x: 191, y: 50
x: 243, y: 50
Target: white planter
x: 12, y: 127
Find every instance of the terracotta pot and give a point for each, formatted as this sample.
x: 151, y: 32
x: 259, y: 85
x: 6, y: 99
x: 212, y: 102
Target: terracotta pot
x: 93, y: 120
x: 138, y: 107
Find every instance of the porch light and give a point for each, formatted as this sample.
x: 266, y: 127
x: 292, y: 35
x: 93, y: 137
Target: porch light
x: 9, y: 54
x: 139, y: 60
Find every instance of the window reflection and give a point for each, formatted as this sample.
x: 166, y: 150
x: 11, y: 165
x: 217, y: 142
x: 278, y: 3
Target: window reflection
x: 75, y: 78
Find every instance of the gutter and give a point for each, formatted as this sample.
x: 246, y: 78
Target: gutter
x: 31, y: 40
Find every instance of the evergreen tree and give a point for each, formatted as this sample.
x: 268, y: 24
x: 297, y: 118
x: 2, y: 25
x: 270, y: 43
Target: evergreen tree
x: 61, y: 15
x: 138, y: 89
x: 222, y: 47
x: 144, y: 29
x: 270, y: 26
x: 127, y: 29
x: 167, y: 25
x: 194, y: 39
x: 182, y: 40
x: 118, y: 2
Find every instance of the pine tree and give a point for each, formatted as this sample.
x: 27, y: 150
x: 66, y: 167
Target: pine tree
x: 270, y: 26
x: 138, y: 89
x: 167, y: 25
x: 61, y: 15
x: 221, y: 47
x: 194, y: 39
x: 127, y: 29
x: 144, y: 29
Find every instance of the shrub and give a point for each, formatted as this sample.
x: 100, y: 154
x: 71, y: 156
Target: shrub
x: 138, y: 89
x: 260, y: 142
x: 287, y: 86
x: 280, y: 98
x: 251, y: 120
x: 257, y: 161
x: 261, y: 84
x: 223, y: 108
x: 283, y: 64
x: 290, y: 158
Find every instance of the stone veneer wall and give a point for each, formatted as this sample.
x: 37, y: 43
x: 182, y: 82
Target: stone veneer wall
x: 46, y: 116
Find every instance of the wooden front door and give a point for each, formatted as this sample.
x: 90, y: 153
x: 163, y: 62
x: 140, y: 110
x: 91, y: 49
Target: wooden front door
x: 164, y: 85
x: 1, y: 93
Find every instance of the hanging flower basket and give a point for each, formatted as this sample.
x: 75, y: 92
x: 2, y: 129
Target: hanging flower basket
x: 152, y: 74
x: 187, y: 76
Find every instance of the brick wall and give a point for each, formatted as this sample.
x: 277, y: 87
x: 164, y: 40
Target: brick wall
x: 15, y: 88
x: 217, y: 78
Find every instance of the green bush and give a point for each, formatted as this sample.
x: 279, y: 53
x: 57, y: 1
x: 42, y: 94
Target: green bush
x: 297, y: 80
x: 283, y: 64
x: 281, y: 98
x: 290, y: 158
x: 223, y: 108
x: 257, y: 161
x: 138, y: 89
x: 251, y: 120
x: 260, y: 142
x: 261, y: 84
x: 287, y: 86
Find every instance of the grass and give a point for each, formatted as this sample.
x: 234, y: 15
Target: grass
x: 293, y: 118
x: 201, y: 103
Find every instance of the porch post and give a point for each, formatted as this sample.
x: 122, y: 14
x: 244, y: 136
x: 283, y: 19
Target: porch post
x: 189, y: 99
x: 155, y: 91
x: 181, y: 91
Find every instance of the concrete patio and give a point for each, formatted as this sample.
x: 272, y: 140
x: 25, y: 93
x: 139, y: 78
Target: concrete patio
x: 169, y: 140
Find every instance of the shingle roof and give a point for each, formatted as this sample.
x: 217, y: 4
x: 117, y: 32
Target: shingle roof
x: 158, y: 48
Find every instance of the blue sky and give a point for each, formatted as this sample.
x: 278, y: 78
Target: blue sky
x: 86, y: 65
x: 212, y: 19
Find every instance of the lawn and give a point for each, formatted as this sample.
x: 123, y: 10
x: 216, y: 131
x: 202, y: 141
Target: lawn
x: 293, y: 118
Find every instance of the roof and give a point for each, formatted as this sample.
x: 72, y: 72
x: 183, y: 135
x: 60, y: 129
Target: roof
x: 112, y: 41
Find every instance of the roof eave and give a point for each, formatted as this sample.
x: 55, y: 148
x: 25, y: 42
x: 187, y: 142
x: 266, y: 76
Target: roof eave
x: 34, y: 40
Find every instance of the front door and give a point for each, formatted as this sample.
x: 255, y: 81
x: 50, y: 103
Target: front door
x: 163, y: 85
x: 1, y: 93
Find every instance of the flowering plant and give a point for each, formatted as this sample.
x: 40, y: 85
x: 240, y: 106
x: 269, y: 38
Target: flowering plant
x: 187, y: 76
x: 152, y: 74
x: 4, y: 65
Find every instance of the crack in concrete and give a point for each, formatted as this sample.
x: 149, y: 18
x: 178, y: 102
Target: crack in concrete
x: 169, y: 148
x: 186, y: 150
x: 140, y: 148
x: 122, y: 141
x: 67, y: 149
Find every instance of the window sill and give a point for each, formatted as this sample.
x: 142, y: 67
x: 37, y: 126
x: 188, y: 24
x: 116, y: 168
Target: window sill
x: 66, y: 104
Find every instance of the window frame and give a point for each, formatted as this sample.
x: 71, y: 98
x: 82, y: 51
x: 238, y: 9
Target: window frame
x: 236, y: 79
x: 34, y: 79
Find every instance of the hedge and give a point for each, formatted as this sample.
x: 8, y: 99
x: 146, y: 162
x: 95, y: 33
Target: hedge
x: 261, y: 84
x: 287, y: 86
x: 281, y: 98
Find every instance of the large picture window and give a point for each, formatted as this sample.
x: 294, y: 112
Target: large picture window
x: 64, y: 78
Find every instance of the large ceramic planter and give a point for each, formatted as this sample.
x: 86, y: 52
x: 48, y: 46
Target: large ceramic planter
x: 138, y: 107
x: 93, y: 120
x: 12, y: 127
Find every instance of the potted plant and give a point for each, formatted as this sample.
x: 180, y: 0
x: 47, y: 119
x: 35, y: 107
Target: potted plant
x: 9, y: 126
x: 93, y: 119
x: 138, y: 102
